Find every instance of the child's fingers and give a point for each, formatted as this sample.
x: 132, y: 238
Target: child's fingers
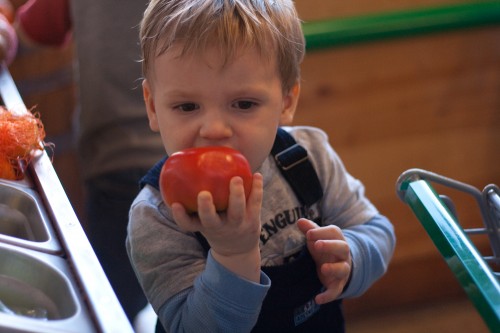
x: 183, y: 219
x: 206, y: 217
x: 330, y: 294
x: 336, y: 271
x: 236, y: 205
x: 241, y: 208
x: 334, y: 278
x: 207, y: 214
x: 335, y: 250
x: 254, y: 202
x: 327, y: 232
x: 305, y: 225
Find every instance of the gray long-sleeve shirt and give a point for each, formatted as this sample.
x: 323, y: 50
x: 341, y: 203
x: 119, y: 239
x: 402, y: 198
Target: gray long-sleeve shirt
x: 190, y: 291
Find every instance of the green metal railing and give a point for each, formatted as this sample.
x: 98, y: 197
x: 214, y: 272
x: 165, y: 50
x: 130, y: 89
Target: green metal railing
x: 349, y: 30
x: 477, y: 278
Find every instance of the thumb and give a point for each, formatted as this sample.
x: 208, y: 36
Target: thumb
x: 305, y: 225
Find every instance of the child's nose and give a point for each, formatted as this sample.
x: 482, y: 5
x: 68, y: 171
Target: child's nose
x: 215, y: 126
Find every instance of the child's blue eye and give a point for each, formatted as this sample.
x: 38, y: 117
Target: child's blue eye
x: 187, y: 107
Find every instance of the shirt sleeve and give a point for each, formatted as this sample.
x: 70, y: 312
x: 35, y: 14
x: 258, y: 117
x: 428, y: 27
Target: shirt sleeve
x: 190, y: 292
x: 46, y: 22
x: 372, y: 246
x: 219, y: 301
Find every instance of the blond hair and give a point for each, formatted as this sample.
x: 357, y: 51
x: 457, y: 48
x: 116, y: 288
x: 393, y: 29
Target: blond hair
x: 271, y: 26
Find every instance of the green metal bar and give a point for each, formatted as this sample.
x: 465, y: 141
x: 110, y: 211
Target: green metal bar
x: 475, y: 276
x: 349, y: 30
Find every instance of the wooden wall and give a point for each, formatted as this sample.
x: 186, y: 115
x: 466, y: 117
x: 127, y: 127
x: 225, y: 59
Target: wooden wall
x: 431, y: 102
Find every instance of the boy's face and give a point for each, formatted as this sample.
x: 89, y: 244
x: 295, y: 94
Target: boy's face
x: 199, y: 100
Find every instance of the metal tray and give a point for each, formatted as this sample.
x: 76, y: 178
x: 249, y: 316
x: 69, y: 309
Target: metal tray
x: 23, y: 220
x: 38, y: 294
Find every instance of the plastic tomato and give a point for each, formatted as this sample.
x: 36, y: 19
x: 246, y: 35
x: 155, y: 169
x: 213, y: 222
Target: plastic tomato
x: 188, y: 172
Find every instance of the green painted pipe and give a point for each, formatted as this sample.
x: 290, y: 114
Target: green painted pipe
x: 365, y: 28
x: 465, y: 261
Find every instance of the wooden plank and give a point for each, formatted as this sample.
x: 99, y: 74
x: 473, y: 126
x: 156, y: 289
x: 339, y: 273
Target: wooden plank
x: 425, y: 93
x: 429, y: 102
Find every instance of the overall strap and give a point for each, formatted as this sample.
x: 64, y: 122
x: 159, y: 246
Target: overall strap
x: 295, y: 166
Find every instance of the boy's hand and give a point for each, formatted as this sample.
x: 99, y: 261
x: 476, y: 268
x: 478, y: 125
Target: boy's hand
x: 331, y: 253
x: 233, y: 235
x: 8, y: 40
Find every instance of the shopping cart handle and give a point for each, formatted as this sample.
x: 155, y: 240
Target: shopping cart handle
x: 462, y: 257
x: 411, y: 175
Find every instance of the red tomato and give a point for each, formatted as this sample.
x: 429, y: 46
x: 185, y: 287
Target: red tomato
x: 188, y: 172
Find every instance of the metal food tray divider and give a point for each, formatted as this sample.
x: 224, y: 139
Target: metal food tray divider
x: 96, y: 293
x: 476, y: 273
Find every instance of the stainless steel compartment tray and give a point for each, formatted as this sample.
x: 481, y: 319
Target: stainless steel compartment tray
x: 34, y: 281
x: 106, y: 314
x: 23, y: 220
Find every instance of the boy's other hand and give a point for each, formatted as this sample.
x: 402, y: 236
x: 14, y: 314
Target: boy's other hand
x: 332, y: 255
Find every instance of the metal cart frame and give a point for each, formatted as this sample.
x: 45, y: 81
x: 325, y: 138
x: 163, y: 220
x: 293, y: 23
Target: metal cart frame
x: 437, y: 216
x: 103, y: 305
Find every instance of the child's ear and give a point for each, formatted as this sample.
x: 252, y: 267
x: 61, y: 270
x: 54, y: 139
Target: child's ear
x: 150, y: 105
x: 290, y: 101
